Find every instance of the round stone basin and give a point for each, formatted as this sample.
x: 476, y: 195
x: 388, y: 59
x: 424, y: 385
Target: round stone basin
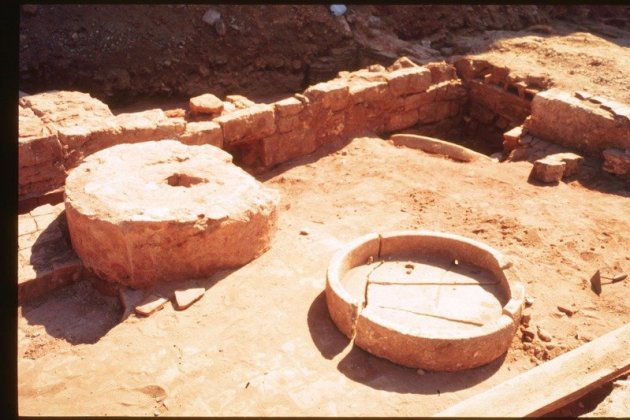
x: 164, y: 211
x: 424, y: 299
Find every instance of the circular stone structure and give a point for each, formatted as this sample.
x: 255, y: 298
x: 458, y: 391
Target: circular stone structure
x: 424, y: 299
x: 164, y: 211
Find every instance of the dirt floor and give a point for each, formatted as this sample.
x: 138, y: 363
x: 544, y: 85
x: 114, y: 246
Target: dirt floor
x: 260, y: 342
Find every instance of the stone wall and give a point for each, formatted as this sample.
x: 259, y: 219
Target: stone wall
x: 58, y: 129
x: 578, y: 120
x: 498, y: 100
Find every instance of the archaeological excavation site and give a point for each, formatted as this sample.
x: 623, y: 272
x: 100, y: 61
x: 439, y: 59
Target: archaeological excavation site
x: 323, y: 210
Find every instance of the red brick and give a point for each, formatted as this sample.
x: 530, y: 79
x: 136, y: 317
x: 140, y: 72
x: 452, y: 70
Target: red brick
x: 203, y: 132
x: 409, y: 80
x: 249, y: 124
x: 333, y: 95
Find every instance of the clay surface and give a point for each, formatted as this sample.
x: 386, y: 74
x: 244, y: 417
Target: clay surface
x: 142, y: 213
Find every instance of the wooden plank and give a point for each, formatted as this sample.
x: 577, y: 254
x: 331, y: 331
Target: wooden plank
x: 553, y: 384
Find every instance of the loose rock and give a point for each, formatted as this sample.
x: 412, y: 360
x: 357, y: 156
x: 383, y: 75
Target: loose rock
x: 150, y: 305
x: 548, y: 170
x: 205, y: 104
x: 566, y: 310
x: 528, y: 336
x: 185, y: 298
x: 544, y: 335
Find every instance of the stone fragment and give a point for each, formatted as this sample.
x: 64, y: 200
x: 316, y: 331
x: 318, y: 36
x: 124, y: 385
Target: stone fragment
x: 205, y: 104
x: 565, y: 310
x: 150, y: 305
x: 203, y: 132
x: 526, y: 318
x: 239, y: 101
x: 185, y: 298
x: 547, y: 170
x: 409, y: 80
x: 511, y: 138
x: 402, y: 63
x: 528, y: 336
x: 163, y: 211
x: 543, y: 335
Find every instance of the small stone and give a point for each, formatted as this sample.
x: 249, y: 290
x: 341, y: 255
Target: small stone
x: 305, y: 232
x: 421, y: 371
x: 565, y: 310
x: 220, y: 28
x: 150, y: 305
x: 529, y: 301
x: 548, y: 170
x: 185, y: 298
x: 527, y: 346
x: 528, y: 336
x: 156, y: 413
x: 205, y: 104
x: 211, y: 16
x: 544, y: 335
x: 550, y: 346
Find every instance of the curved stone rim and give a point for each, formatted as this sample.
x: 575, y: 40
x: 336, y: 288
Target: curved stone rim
x: 346, y: 311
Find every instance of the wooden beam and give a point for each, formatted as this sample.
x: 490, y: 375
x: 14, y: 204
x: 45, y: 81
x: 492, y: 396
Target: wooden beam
x: 553, y: 384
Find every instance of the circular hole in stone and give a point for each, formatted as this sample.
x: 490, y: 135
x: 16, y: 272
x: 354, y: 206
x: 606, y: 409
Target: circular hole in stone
x: 184, y: 180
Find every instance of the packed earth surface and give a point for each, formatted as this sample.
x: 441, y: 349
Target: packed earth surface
x: 260, y: 342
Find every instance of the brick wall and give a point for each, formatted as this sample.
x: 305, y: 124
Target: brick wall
x: 57, y: 129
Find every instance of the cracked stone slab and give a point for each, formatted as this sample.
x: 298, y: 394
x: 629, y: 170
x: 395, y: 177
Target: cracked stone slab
x: 425, y: 299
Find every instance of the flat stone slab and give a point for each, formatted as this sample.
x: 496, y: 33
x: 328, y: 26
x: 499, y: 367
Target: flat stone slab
x: 423, y: 299
x: 150, y: 305
x: 164, y: 211
x: 185, y: 298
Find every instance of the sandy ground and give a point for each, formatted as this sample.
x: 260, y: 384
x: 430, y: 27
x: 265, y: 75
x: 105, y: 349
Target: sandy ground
x: 260, y: 342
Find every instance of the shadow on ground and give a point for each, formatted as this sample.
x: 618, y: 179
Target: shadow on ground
x: 381, y: 374
x: 81, y: 314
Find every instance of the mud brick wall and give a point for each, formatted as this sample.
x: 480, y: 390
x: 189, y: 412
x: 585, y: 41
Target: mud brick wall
x: 580, y: 121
